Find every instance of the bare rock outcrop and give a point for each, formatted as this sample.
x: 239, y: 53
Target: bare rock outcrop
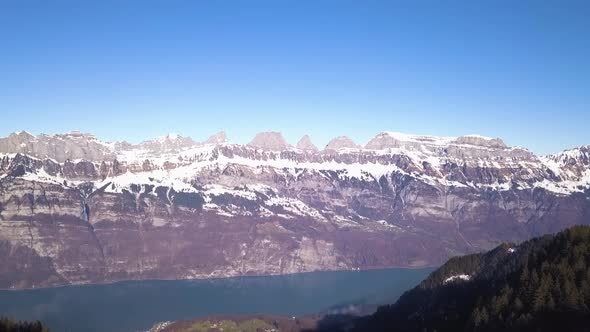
x: 340, y: 142
x: 494, y: 143
x: 218, y: 138
x: 270, y: 140
x: 305, y: 144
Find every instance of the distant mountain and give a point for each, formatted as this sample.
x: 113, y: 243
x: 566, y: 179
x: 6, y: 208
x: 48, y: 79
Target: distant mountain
x: 74, y: 209
x: 218, y: 138
x: 305, y: 144
x: 341, y: 142
x: 540, y: 285
x: 272, y: 141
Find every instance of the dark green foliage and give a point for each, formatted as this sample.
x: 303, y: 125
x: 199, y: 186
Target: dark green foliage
x: 8, y: 325
x: 544, y: 285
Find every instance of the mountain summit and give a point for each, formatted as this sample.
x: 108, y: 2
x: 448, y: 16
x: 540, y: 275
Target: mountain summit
x: 305, y: 144
x: 270, y: 140
x: 340, y: 142
x: 218, y: 138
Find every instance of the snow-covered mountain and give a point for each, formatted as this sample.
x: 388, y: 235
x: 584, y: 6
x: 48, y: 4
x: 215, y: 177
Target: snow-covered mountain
x: 468, y: 161
x: 175, y: 208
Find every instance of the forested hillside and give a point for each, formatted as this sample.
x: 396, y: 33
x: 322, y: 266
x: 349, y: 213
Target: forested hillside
x: 540, y: 285
x: 9, y: 325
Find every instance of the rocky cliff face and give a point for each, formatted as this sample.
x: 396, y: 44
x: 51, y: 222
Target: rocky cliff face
x: 87, y: 211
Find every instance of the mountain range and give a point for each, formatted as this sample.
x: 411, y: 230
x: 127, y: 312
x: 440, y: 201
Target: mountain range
x: 75, y: 209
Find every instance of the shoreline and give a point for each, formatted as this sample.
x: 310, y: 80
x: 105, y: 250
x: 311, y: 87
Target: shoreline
x: 105, y: 283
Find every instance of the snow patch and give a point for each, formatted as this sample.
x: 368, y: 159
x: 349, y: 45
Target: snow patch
x: 296, y: 207
x: 422, y: 139
x: 458, y: 277
x: 156, y: 178
x: 386, y: 224
x: 218, y: 190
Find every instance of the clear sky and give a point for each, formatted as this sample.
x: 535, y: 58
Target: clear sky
x: 132, y: 70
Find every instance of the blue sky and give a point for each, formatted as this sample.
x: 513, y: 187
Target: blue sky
x: 133, y: 70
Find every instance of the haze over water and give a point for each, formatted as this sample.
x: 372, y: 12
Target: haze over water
x: 137, y: 305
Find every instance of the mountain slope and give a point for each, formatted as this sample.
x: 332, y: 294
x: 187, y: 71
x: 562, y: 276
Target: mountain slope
x: 540, y: 285
x: 74, y: 209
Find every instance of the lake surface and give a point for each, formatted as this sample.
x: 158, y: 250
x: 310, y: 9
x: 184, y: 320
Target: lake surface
x: 137, y: 305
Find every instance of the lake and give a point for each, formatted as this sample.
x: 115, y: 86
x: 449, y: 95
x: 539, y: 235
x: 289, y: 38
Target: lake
x: 137, y: 305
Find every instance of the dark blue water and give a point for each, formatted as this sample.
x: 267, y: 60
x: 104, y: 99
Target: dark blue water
x: 137, y: 305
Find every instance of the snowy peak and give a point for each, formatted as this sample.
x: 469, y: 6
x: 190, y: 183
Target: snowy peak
x: 580, y: 155
x: 341, y: 142
x: 305, y: 144
x: 572, y: 165
x: 218, y: 138
x: 270, y: 140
